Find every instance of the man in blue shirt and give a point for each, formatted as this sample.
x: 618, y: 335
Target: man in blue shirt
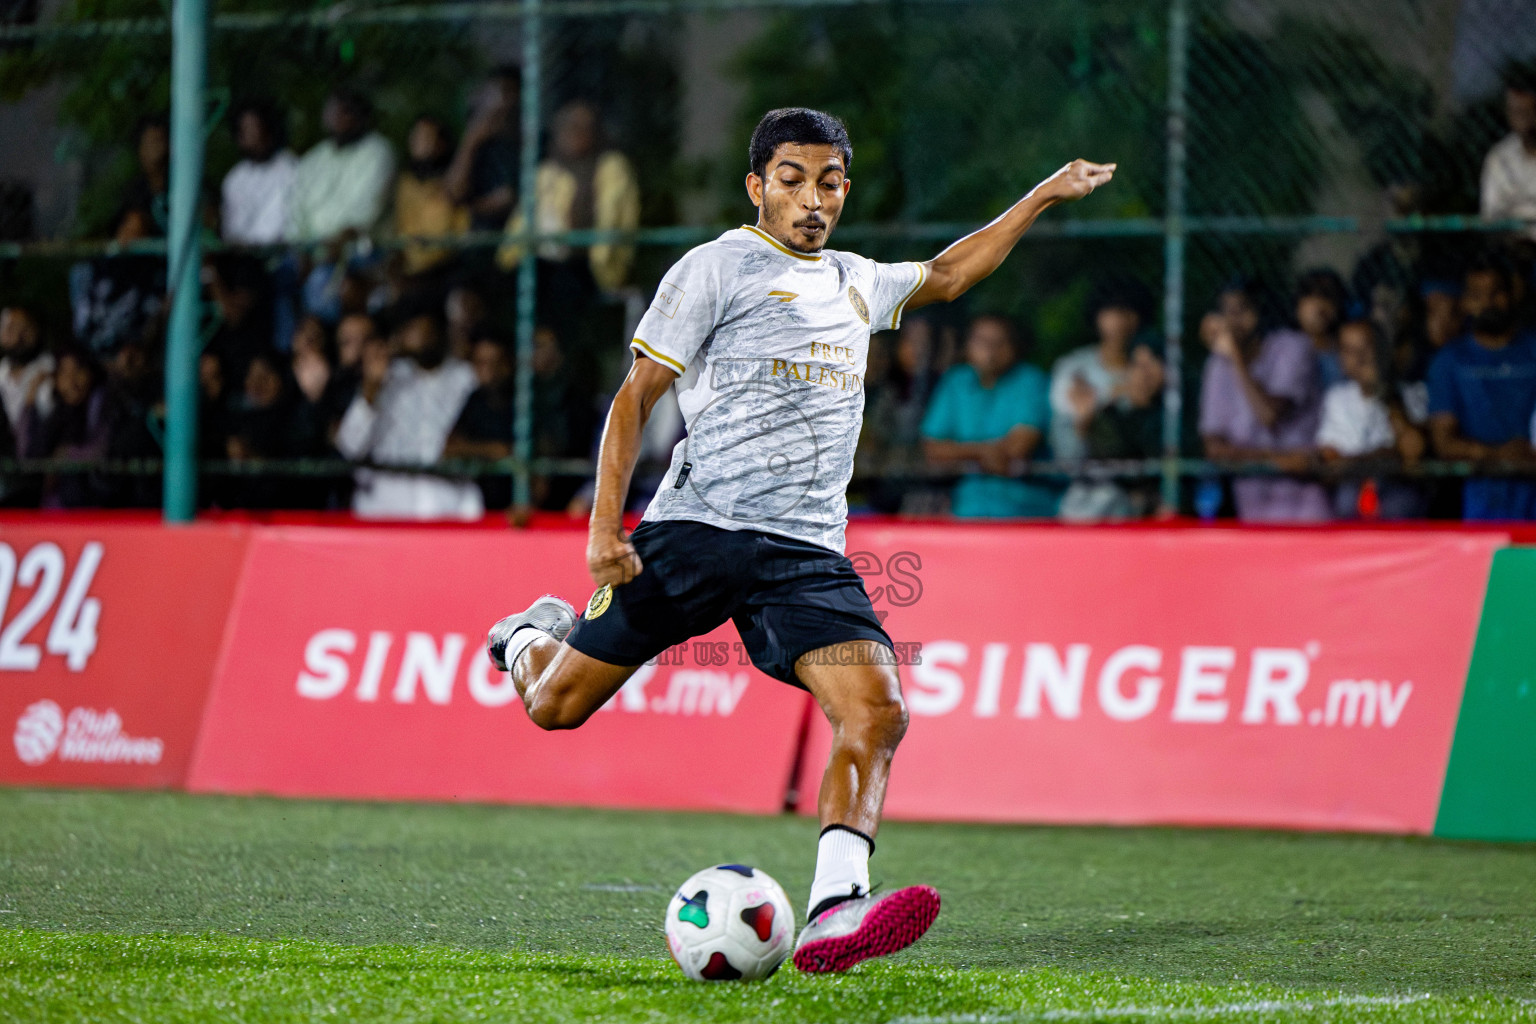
x: 991, y: 410
x: 1482, y: 392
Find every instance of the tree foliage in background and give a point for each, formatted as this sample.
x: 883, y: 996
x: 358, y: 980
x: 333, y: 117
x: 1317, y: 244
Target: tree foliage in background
x: 955, y: 112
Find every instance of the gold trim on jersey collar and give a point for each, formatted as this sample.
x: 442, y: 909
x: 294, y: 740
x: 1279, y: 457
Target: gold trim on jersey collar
x: 786, y: 250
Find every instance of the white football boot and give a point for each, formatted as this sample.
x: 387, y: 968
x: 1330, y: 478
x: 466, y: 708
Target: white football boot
x: 549, y: 614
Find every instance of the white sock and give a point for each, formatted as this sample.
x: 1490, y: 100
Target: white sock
x: 842, y: 866
x: 524, y: 636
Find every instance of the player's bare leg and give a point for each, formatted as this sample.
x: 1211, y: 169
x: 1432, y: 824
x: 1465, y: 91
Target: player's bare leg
x: 860, y: 693
x: 560, y: 686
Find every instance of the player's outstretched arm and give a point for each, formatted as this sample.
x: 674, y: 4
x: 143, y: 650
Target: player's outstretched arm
x: 610, y: 557
x: 957, y: 269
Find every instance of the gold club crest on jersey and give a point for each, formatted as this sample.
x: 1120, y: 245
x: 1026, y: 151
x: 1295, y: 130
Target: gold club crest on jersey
x: 602, y: 597
x: 859, y: 305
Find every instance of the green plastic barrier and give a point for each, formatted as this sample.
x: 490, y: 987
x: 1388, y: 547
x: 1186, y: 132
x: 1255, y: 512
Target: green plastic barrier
x: 1490, y: 783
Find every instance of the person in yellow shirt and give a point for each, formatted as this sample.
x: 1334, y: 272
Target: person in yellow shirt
x: 423, y: 207
x: 581, y: 186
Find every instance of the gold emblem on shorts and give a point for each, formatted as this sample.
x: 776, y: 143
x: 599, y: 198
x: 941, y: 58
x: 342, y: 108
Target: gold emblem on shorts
x: 602, y: 597
x: 859, y: 305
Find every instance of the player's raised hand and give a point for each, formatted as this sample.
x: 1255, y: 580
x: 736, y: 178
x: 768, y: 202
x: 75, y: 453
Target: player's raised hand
x: 1078, y: 178
x: 611, y: 559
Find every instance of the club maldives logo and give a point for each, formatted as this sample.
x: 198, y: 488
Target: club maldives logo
x: 85, y: 735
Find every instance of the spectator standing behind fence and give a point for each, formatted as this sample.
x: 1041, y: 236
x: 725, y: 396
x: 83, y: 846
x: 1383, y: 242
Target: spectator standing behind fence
x: 258, y: 190
x: 341, y: 185
x: 1364, y: 422
x: 1088, y: 378
x: 992, y: 410
x: 890, y: 455
x: 402, y: 415
x: 136, y: 375
x: 1482, y: 395
x: 77, y: 425
x: 469, y: 318
x: 1322, y: 302
x: 1128, y: 427
x: 352, y: 335
x: 147, y: 191
x: 564, y: 417
x: 321, y: 398
x: 119, y: 298
x: 1437, y: 321
x: 484, y: 428
x: 259, y: 424
x: 1509, y: 170
x: 424, y: 207
x: 26, y: 367
x: 241, y: 291
x: 1259, y: 402
x: 580, y: 186
x: 484, y: 173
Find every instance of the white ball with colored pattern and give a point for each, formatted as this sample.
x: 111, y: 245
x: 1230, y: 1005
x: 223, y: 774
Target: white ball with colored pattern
x: 730, y: 923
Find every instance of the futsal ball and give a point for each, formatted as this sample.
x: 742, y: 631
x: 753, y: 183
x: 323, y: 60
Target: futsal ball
x: 730, y: 923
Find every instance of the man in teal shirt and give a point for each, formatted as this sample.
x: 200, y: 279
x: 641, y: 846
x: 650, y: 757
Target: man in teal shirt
x: 991, y: 410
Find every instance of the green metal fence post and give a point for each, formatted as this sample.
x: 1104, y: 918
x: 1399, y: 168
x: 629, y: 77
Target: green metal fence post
x: 189, y: 70
x: 1173, y: 248
x: 527, y: 272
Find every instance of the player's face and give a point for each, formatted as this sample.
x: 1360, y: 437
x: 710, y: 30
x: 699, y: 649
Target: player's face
x: 801, y: 195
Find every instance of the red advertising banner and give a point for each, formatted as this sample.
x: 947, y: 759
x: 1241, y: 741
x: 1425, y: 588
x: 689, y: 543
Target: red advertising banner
x: 108, y: 639
x: 355, y: 667
x: 1288, y: 679
x: 1259, y: 678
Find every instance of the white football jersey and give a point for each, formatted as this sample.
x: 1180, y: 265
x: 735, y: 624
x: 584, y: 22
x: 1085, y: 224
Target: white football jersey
x: 770, y: 347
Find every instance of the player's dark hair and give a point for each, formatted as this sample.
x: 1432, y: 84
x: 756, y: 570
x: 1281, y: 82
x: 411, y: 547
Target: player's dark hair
x: 791, y: 125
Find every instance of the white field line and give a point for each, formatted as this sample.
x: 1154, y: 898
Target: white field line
x: 1167, y: 1012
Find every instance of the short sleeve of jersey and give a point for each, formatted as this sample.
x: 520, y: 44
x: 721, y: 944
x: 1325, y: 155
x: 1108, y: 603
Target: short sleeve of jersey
x: 895, y: 283
x: 684, y: 312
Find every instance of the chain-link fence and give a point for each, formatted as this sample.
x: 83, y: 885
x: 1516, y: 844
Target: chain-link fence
x: 1255, y: 138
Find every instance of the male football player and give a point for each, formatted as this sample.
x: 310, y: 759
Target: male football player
x: 763, y: 333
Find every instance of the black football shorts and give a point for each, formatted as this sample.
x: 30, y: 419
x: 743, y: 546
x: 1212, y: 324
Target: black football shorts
x: 786, y: 596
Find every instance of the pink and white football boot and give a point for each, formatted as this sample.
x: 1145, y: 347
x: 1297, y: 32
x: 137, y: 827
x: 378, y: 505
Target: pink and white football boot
x: 864, y: 927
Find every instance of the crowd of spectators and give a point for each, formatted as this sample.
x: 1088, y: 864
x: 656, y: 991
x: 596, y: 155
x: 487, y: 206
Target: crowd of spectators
x: 323, y: 344
x: 1322, y: 413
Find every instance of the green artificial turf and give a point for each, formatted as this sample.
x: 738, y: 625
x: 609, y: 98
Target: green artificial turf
x: 170, y: 907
